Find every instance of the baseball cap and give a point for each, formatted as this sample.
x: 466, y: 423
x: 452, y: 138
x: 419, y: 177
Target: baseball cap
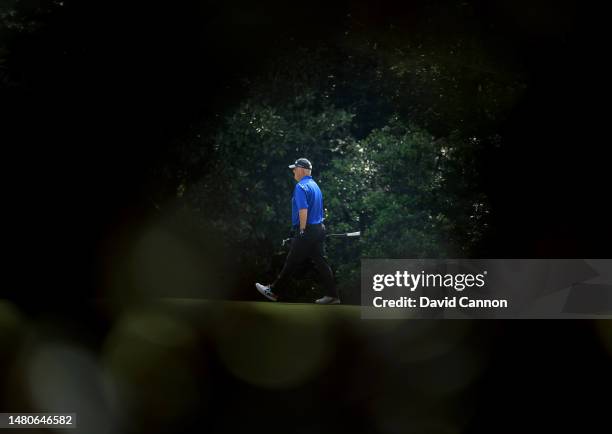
x: 301, y: 162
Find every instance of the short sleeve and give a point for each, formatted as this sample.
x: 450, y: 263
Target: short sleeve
x: 300, y: 197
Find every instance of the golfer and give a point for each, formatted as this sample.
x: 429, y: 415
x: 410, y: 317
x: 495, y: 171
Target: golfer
x: 307, y: 224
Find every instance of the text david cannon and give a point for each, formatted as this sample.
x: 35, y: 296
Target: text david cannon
x: 447, y: 302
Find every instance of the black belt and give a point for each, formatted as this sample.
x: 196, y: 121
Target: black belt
x: 308, y: 224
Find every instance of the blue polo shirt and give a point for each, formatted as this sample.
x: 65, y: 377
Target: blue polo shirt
x: 307, y: 194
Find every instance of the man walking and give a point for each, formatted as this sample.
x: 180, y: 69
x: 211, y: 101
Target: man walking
x: 307, y: 224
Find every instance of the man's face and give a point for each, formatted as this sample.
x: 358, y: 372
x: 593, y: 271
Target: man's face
x: 296, y: 173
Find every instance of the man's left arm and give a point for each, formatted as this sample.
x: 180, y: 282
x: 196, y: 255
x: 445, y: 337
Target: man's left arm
x: 302, y: 205
x: 303, y: 219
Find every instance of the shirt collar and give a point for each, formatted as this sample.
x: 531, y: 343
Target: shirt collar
x: 307, y: 177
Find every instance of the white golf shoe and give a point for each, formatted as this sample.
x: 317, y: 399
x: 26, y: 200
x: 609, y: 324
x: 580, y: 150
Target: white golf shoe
x: 328, y: 300
x: 266, y: 292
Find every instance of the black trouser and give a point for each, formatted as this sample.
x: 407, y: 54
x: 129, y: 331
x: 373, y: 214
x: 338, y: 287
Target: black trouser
x: 310, y: 246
